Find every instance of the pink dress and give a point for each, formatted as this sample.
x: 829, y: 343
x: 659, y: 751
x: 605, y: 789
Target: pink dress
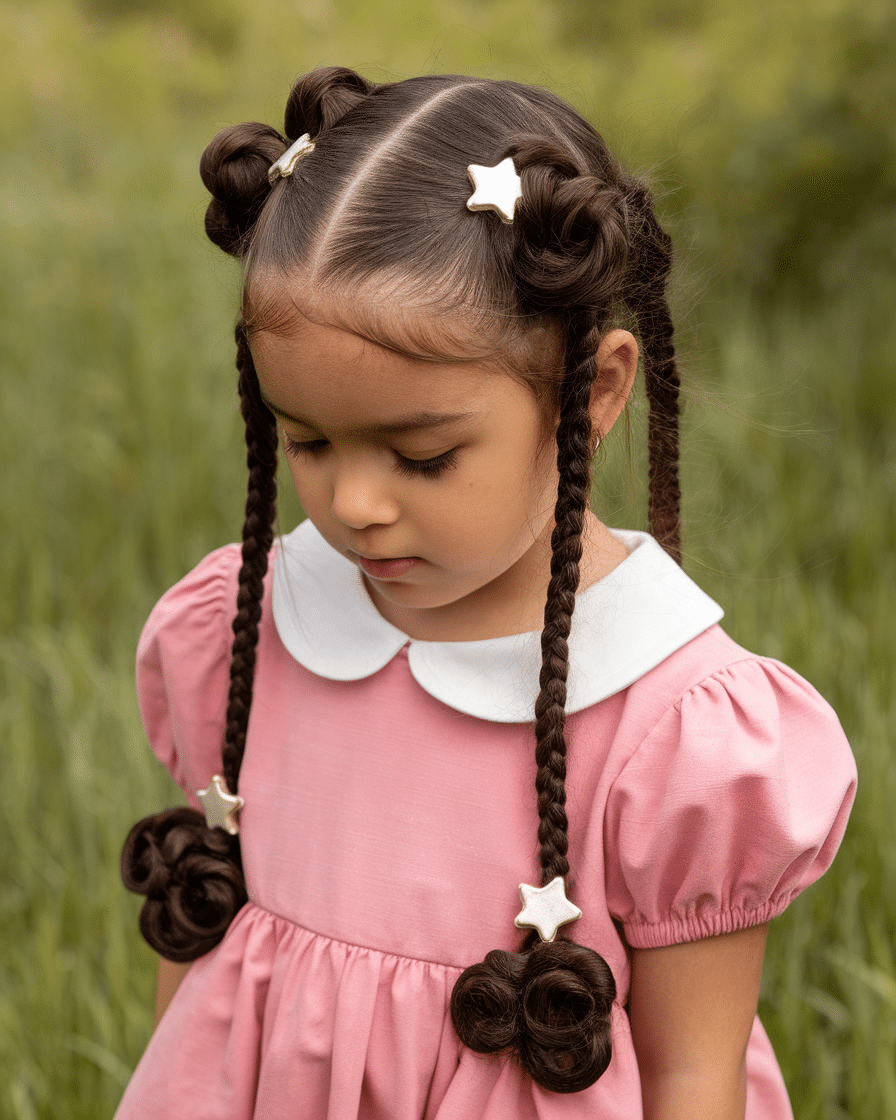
x: 390, y: 817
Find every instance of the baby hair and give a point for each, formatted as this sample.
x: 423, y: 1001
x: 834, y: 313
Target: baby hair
x: 373, y: 218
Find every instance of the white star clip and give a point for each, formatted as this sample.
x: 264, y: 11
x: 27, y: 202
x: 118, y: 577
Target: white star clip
x: 286, y: 164
x: 546, y: 908
x: 221, y: 806
x: 496, y: 188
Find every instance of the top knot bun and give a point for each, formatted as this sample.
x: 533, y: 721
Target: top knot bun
x: 234, y: 167
x: 322, y: 98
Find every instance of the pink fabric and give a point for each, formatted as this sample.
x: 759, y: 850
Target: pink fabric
x: 384, y: 837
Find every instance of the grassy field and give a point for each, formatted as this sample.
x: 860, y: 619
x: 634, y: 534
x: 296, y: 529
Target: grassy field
x: 122, y: 465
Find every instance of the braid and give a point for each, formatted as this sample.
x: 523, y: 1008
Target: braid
x: 191, y: 874
x: 258, y: 535
x: 551, y: 1002
x: 574, y: 463
x: 653, y: 263
x: 662, y: 383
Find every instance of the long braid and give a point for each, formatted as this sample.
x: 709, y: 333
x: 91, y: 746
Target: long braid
x: 651, y: 267
x: 662, y: 384
x: 574, y: 486
x: 258, y: 536
x: 192, y: 875
x: 551, y: 1001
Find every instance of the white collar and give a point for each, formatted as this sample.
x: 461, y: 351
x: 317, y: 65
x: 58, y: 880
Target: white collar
x: 623, y: 626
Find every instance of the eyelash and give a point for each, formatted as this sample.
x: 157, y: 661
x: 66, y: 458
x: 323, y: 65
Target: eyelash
x: 409, y: 468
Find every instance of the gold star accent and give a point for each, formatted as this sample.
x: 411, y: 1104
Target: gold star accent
x: 496, y: 188
x: 221, y: 806
x: 546, y: 908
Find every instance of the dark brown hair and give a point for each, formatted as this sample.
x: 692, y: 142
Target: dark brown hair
x: 377, y: 212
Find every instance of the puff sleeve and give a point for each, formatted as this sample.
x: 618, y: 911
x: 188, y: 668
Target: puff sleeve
x: 183, y: 668
x: 734, y: 803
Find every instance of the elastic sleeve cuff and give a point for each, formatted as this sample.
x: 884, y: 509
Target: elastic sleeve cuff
x: 678, y: 931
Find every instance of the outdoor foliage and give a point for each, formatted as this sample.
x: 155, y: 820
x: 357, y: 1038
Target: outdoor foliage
x: 769, y: 132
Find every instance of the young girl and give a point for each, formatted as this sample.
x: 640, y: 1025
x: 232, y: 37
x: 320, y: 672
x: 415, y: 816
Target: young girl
x: 447, y: 283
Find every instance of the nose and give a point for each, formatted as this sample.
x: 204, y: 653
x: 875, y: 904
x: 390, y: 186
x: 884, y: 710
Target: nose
x: 361, y: 497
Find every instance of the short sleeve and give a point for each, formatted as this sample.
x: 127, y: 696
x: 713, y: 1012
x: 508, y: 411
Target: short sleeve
x: 183, y: 668
x: 733, y: 804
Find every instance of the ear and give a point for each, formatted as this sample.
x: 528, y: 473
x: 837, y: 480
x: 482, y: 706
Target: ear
x: 617, y: 364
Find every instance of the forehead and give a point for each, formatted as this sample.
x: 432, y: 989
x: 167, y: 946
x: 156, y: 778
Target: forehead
x: 404, y: 339
x: 427, y: 319
x: 400, y: 313
x: 330, y: 377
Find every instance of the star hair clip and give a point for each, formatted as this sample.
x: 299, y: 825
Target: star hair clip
x: 546, y: 908
x: 286, y: 164
x: 497, y: 188
x: 220, y: 805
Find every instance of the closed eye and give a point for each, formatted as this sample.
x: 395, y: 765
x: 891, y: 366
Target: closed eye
x: 409, y: 468
x: 294, y: 447
x: 428, y: 468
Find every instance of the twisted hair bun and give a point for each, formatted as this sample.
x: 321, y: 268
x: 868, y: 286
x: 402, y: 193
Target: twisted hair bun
x: 322, y: 98
x: 192, y: 879
x: 550, y: 1006
x: 573, y: 237
x: 234, y: 166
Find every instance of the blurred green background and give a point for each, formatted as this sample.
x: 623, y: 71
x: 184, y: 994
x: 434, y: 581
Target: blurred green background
x: 769, y: 132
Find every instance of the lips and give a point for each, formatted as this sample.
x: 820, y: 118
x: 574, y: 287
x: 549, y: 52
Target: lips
x: 388, y: 569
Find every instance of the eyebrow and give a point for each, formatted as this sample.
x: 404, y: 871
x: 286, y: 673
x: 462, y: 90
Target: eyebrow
x: 416, y: 421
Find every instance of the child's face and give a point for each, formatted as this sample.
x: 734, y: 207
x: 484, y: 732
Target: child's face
x: 437, y: 479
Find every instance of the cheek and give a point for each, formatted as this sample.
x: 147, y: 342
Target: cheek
x: 308, y: 484
x: 508, y: 499
x: 531, y: 474
x: 295, y: 474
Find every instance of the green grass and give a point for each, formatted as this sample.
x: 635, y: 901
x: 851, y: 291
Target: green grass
x: 121, y: 461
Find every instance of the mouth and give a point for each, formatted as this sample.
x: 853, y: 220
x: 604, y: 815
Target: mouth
x: 387, y: 568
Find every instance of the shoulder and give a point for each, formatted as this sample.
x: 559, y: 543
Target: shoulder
x: 712, y: 699
x: 183, y: 665
x: 710, y: 656
x: 713, y: 670
x: 199, y: 599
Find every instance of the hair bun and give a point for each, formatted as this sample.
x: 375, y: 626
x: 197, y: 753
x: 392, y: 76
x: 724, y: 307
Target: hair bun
x: 234, y: 168
x: 550, y: 1005
x: 320, y: 99
x: 567, y: 995
x: 573, y: 232
x: 192, y: 878
x: 485, y: 1002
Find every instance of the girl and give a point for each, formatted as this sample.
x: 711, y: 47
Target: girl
x: 446, y: 284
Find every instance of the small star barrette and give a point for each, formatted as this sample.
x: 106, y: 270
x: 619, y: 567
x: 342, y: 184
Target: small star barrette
x: 546, y: 908
x: 221, y: 806
x: 496, y: 188
x: 286, y: 164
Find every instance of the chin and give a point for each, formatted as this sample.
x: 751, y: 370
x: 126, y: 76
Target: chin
x: 412, y: 596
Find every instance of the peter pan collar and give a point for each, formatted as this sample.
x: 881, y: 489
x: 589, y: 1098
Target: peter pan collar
x: 623, y: 626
